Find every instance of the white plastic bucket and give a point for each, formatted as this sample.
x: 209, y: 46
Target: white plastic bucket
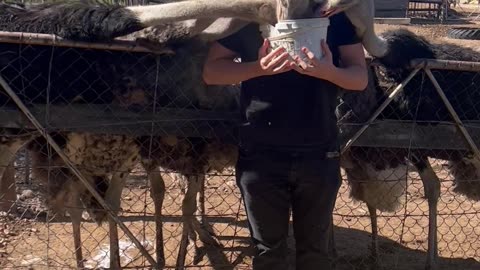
x: 295, y: 34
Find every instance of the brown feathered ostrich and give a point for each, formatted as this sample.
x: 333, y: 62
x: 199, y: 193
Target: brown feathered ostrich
x: 191, y: 157
x: 106, y: 160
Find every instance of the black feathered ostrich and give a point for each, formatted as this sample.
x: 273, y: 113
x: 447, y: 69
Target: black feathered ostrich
x: 378, y: 175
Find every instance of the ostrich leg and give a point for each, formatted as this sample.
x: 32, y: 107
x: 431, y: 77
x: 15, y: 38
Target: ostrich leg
x: 358, y: 176
x: 75, y: 210
x: 7, y: 188
x: 201, y: 201
x: 7, y: 154
x: 8, y: 149
x: 113, y: 197
x: 431, y: 185
x: 189, y: 207
x: 374, y: 245
x: 114, y: 248
x: 200, y: 224
x: 157, y: 193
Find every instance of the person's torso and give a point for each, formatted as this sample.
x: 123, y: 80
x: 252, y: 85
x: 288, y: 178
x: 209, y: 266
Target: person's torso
x: 288, y: 109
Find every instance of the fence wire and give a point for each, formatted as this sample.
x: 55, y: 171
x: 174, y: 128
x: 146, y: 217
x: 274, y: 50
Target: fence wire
x: 443, y: 11
x: 159, y: 147
x: 469, y: 9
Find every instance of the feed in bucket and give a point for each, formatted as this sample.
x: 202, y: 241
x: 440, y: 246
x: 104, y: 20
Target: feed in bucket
x: 295, y: 34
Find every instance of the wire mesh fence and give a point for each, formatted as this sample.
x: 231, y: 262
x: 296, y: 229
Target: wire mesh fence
x: 113, y: 111
x: 158, y: 147
x: 412, y: 151
x: 469, y: 10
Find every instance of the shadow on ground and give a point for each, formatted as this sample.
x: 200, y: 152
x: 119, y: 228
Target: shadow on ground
x: 353, y: 254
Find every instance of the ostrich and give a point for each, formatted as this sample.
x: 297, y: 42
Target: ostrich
x: 106, y: 159
x: 377, y: 175
x: 106, y: 21
x: 191, y: 157
x: 110, y: 21
x: 37, y: 70
x: 11, y: 141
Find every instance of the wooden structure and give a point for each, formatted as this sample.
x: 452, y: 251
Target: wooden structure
x: 411, y: 8
x: 427, y: 9
x: 391, y: 9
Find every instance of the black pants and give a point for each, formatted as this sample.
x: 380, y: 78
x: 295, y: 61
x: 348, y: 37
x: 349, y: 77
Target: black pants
x: 273, y: 183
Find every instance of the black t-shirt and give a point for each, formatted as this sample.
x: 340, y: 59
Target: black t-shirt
x: 289, y: 109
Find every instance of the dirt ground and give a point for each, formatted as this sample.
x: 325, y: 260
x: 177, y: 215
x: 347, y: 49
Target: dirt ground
x: 28, y: 241
x: 37, y: 244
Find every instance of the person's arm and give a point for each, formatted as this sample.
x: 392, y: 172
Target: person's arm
x: 352, y: 75
x: 221, y: 69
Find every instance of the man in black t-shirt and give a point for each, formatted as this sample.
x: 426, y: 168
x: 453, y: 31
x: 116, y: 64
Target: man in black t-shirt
x: 289, y: 156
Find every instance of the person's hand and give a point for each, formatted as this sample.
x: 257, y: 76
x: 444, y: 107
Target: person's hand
x: 277, y: 61
x: 322, y: 68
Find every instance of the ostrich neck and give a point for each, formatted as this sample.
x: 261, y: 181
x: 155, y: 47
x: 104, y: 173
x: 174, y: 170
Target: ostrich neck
x: 261, y: 11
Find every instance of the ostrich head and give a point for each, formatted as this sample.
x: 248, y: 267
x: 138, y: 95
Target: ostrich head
x: 296, y: 9
x: 142, y: 82
x: 331, y: 7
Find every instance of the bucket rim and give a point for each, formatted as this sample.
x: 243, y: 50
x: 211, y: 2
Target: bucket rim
x: 324, y: 19
x: 289, y: 34
x: 313, y: 22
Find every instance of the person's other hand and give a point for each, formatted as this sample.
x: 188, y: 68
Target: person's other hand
x: 322, y: 68
x: 274, y: 62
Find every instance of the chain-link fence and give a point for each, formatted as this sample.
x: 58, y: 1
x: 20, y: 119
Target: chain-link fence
x: 464, y: 10
x: 114, y: 110
x: 410, y: 138
x: 105, y: 112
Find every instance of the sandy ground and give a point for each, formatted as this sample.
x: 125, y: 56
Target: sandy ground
x: 28, y: 241
x: 36, y: 244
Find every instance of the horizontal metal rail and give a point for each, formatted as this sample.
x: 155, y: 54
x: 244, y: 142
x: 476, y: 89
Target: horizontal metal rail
x: 127, y: 45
